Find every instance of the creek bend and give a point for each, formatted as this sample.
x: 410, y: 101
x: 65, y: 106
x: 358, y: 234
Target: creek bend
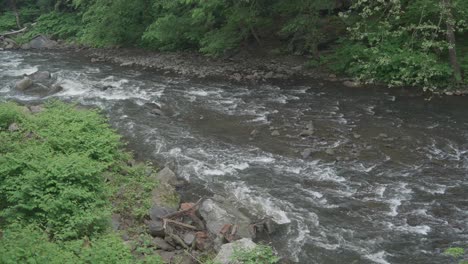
x: 383, y: 178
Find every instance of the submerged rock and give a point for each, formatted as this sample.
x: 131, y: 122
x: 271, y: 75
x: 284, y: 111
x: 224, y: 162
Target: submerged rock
x: 24, y: 84
x: 225, y: 255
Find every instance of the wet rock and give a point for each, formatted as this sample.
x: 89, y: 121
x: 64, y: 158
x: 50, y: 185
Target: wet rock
x: 166, y: 175
x: 156, y: 228
x: 41, y: 42
x: 306, y: 153
x: 24, y: 84
x: 356, y: 136
x: 157, y: 212
x: 275, y: 133
x: 254, y: 133
x: 127, y: 63
x: 14, y: 127
x: 351, y: 84
x: 189, y: 238
x: 226, y: 253
x: 162, y: 244
x: 330, y: 152
x: 383, y: 135
x: 217, y: 215
x: 307, y: 133
x: 36, y: 109
x: 40, y: 76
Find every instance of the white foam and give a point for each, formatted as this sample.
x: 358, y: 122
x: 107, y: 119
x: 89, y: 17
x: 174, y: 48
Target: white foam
x: 378, y: 257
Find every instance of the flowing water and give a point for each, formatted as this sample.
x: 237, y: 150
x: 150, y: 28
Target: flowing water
x: 386, y: 181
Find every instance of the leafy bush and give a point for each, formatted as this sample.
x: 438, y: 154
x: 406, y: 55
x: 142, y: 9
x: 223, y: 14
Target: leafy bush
x: 261, y: 254
x: 28, y: 244
x: 7, y: 21
x: 51, y: 173
x: 10, y: 113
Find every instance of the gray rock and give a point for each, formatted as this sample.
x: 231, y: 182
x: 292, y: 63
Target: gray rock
x: 356, y: 136
x: 40, y: 76
x: 225, y: 255
x: 275, y: 133
x: 36, y: 109
x: 42, y: 42
x: 189, y: 238
x: 330, y: 152
x: 216, y: 215
x: 166, y: 175
x: 162, y: 244
x: 24, y: 84
x: 13, y: 127
x: 351, y: 84
x: 115, y: 221
x: 156, y: 228
x: 307, y: 133
x: 306, y: 153
x: 167, y: 256
x: 157, y: 212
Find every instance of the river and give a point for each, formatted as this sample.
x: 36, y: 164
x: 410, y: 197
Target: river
x: 386, y: 180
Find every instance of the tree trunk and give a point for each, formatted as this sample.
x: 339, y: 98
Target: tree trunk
x: 15, y: 11
x: 451, y: 40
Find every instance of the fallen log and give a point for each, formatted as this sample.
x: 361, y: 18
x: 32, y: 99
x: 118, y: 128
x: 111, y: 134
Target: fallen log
x: 13, y: 32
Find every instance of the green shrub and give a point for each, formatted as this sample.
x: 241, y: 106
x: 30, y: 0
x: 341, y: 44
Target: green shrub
x: 261, y: 254
x: 7, y: 21
x: 51, y: 174
x: 10, y: 113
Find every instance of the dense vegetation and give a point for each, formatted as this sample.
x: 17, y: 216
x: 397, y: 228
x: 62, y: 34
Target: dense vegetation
x: 60, y: 174
x: 398, y: 42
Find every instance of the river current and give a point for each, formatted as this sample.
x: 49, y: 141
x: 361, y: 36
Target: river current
x: 385, y: 182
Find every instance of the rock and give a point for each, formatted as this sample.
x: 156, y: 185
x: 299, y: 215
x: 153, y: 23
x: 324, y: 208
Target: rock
x: 127, y: 63
x: 115, y: 221
x: 36, y: 109
x: 166, y: 175
x: 13, y: 127
x: 237, y: 77
x: 156, y: 112
x: 383, y: 135
x: 356, y: 136
x: 269, y: 75
x: 156, y: 228
x: 330, y: 152
x: 162, y: 244
x: 227, y: 250
x: 275, y: 133
x: 202, y: 240
x: 189, y: 238
x: 157, y: 212
x: 306, y: 153
x: 351, y: 84
x: 167, y: 256
x: 306, y: 133
x: 254, y: 133
x: 217, y: 215
x: 24, y: 84
x: 40, y: 76
x: 42, y: 42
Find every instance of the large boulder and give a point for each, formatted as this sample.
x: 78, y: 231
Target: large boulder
x: 166, y: 175
x: 217, y: 215
x: 24, y: 84
x: 225, y: 255
x: 40, y: 42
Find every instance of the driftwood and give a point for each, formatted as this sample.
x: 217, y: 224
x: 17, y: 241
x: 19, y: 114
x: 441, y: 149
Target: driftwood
x: 179, y: 213
x: 179, y: 224
x: 13, y: 32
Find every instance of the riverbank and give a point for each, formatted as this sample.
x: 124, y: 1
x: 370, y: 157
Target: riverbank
x: 95, y: 198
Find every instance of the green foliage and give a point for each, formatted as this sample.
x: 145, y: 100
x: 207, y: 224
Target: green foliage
x: 10, y: 113
x: 132, y: 186
x: 55, y: 181
x: 56, y: 25
x: 261, y: 254
x: 457, y: 253
x: 115, y: 22
x: 28, y: 244
x: 7, y: 21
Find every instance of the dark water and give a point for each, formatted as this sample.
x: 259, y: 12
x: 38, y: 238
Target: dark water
x: 386, y: 181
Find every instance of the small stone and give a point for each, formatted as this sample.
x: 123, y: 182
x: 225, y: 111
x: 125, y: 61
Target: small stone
x: 168, y: 176
x: 330, y: 152
x: 351, y: 84
x: 157, y: 112
x: 162, y: 244
x: 383, y: 135
x: 254, y: 133
x: 13, y: 127
x: 306, y: 153
x: 156, y: 228
x: 275, y: 133
x: 36, y: 109
x: 189, y: 238
x: 356, y: 136
x: 306, y: 133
